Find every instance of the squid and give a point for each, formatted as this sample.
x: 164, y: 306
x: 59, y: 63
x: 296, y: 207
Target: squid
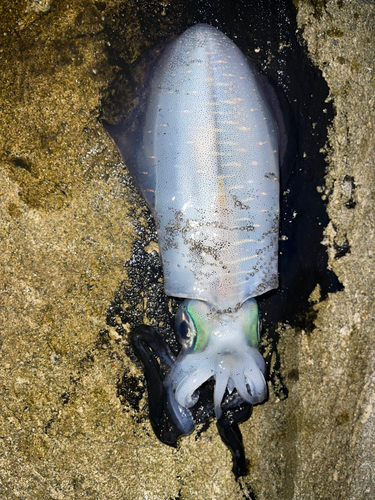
x: 203, y: 147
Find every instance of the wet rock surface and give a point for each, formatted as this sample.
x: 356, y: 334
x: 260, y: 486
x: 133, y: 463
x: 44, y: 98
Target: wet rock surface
x: 74, y: 417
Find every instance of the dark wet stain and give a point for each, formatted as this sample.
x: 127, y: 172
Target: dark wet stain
x: 319, y: 7
x: 342, y: 418
x: 103, y: 339
x: 202, y: 430
x: 274, y: 372
x: 341, y: 250
x: 178, y: 497
x: 65, y: 396
x: 267, y: 32
x: 35, y: 189
x: 335, y: 32
x: 130, y: 391
x: 349, y: 187
x: 78, y: 481
x: 22, y: 163
x: 101, y: 6
x: 249, y: 494
x: 54, y: 415
x: 145, y: 297
x: 293, y: 374
x: 350, y: 203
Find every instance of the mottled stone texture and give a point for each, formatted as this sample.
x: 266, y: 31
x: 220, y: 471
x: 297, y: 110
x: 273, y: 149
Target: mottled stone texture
x: 66, y: 228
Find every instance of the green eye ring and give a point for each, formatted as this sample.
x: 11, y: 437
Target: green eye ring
x: 191, y: 325
x: 252, y: 323
x: 199, y: 319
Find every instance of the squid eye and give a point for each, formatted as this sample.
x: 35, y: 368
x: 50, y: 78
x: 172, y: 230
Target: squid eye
x: 185, y: 328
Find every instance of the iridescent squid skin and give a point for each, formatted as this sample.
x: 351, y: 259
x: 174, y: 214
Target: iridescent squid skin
x: 205, y: 156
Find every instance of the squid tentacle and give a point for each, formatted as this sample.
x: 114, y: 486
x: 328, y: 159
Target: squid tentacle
x: 221, y: 382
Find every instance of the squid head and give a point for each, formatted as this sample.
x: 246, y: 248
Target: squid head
x: 219, y: 345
